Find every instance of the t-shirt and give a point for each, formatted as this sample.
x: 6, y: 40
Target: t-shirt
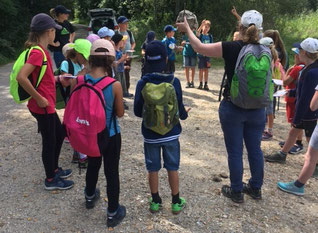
x: 170, y: 44
x: 230, y: 50
x: 120, y: 66
x: 188, y: 51
x: 129, y: 40
x: 64, y: 67
x: 294, y: 73
x: 63, y: 35
x: 47, y: 84
x: 205, y: 39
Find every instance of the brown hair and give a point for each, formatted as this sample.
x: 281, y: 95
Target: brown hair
x: 274, y: 34
x: 274, y: 53
x: 33, y: 39
x: 312, y: 56
x: 71, y: 54
x: 105, y: 62
x: 249, y: 34
x: 53, y: 13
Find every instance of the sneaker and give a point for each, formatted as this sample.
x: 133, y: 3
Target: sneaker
x: 113, y: 221
x: 58, y: 184
x: 267, y: 136
x: 200, y: 86
x: 188, y: 85
x: 178, y: 207
x: 192, y: 85
x: 296, y: 149
x: 279, y: 157
x: 254, y: 193
x: 76, y: 156
x: 237, y: 197
x: 281, y: 144
x: 206, y: 87
x: 291, y: 188
x: 64, y: 173
x: 90, y: 201
x: 154, y: 207
x: 82, y: 163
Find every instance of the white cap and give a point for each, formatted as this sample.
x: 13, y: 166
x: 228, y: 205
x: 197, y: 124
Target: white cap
x: 267, y: 41
x: 252, y: 17
x: 101, y: 43
x: 66, y: 48
x: 310, y: 45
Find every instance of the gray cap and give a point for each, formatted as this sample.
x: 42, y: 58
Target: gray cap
x: 42, y: 22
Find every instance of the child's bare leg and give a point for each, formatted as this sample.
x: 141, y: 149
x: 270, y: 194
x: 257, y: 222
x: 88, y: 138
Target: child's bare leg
x: 187, y: 74
x: 270, y: 123
x: 153, y: 181
x: 206, y: 75
x: 174, y: 182
x: 200, y: 75
x: 192, y: 73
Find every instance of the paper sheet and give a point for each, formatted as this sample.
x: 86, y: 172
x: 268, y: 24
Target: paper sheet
x: 280, y: 93
x: 278, y: 82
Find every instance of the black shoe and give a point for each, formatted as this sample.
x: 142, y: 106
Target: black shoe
x: 254, y: 193
x: 200, y: 86
x: 188, y: 85
x: 192, y: 85
x: 281, y: 144
x: 90, y: 201
x: 278, y: 157
x: 206, y: 87
x: 113, y: 221
x: 237, y: 197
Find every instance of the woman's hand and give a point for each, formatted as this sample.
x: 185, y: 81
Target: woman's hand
x: 183, y: 26
x: 42, y: 102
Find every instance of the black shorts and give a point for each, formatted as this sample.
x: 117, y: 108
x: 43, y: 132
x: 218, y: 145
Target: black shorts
x: 170, y: 68
x: 203, y: 62
x: 308, y: 126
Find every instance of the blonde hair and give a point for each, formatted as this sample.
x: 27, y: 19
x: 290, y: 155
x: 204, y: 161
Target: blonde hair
x: 207, y: 22
x: 274, y: 53
x: 53, y: 13
x: 274, y: 34
x: 249, y: 34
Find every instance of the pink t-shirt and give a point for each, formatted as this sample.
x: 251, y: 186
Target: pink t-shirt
x: 47, y: 85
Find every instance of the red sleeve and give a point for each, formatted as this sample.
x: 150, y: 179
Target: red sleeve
x: 35, y: 58
x: 295, y: 72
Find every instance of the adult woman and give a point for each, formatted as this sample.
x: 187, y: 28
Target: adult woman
x: 62, y: 36
x: 238, y: 124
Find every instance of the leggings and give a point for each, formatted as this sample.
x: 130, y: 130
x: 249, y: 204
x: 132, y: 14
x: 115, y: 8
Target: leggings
x: 111, y: 163
x: 50, y: 127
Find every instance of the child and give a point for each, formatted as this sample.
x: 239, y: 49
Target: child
x: 189, y: 60
x: 150, y: 37
x: 204, y: 62
x: 100, y: 63
x: 155, y: 62
x: 105, y: 33
x: 170, y: 44
x: 119, y: 63
x: 70, y: 55
x: 42, y: 103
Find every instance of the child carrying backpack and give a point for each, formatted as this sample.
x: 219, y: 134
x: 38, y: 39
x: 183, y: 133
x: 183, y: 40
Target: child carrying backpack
x: 160, y: 127
x: 35, y: 78
x: 91, y: 124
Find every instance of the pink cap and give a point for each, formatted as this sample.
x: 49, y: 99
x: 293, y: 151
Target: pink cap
x: 92, y: 38
x: 101, y: 43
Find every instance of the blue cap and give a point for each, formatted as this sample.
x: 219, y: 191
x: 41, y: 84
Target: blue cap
x: 155, y: 57
x: 62, y: 10
x: 105, y: 31
x: 150, y: 36
x: 296, y: 47
x: 169, y: 28
x: 122, y: 19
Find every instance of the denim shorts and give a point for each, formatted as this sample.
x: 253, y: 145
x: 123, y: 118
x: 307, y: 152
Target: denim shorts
x: 314, y: 139
x: 203, y: 62
x: 189, y: 61
x: 170, y: 154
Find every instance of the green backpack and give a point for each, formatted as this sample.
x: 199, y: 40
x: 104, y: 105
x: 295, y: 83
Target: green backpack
x: 160, y: 111
x: 18, y: 93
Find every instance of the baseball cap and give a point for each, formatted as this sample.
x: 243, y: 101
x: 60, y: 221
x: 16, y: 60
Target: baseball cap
x: 42, y: 22
x: 65, y: 48
x: 252, y: 17
x: 105, y: 31
x: 82, y: 46
x: 310, y: 45
x: 155, y: 57
x: 267, y: 41
x: 92, y: 37
x: 59, y: 9
x: 169, y: 28
x: 117, y: 37
x: 296, y: 47
x: 101, y: 43
x: 122, y: 19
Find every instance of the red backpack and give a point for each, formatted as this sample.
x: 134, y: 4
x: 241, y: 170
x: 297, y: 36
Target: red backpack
x: 85, y: 117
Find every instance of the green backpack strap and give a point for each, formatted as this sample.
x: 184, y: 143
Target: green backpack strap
x: 43, y: 66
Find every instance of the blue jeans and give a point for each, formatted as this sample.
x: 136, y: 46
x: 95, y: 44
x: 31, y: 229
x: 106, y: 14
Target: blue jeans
x: 58, y: 58
x: 241, y: 124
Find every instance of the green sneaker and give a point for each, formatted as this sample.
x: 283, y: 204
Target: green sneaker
x: 178, y: 207
x: 154, y: 207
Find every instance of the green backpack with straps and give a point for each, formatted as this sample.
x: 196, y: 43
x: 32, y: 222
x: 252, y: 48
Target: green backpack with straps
x: 18, y: 93
x: 160, y: 111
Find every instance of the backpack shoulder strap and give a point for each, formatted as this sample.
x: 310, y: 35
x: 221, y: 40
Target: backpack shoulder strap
x: 104, y: 82
x: 130, y: 34
x: 211, y: 38
x: 70, y: 66
x: 80, y: 79
x: 43, y: 66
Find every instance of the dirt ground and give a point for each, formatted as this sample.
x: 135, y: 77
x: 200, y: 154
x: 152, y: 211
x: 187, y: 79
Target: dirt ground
x: 27, y: 207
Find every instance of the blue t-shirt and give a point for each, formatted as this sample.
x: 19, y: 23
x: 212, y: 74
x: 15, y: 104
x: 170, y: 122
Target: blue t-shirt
x: 120, y: 66
x: 64, y: 67
x: 205, y: 39
x: 109, y: 99
x: 187, y: 49
x: 170, y: 44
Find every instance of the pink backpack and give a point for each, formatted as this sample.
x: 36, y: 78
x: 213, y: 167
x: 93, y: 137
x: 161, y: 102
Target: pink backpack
x: 85, y: 117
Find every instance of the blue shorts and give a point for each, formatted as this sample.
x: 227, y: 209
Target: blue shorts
x: 203, y: 62
x: 170, y: 154
x: 189, y: 61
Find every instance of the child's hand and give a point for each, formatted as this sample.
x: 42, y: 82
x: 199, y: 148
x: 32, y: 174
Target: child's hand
x: 188, y: 110
x: 125, y: 56
x: 42, y: 102
x: 234, y: 12
x: 65, y: 80
x: 183, y: 43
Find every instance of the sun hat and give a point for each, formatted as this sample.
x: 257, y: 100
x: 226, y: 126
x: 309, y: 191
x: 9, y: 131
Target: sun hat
x: 92, y: 37
x: 101, y: 43
x: 155, y: 57
x: 252, y: 17
x: 59, y: 9
x: 42, y: 22
x: 82, y: 46
x: 122, y: 19
x: 267, y: 41
x: 169, y: 28
x: 310, y: 45
x: 66, y: 48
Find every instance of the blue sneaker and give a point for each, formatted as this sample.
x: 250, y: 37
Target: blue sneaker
x: 296, y: 149
x: 58, y: 184
x: 291, y: 188
x: 114, y: 220
x: 64, y: 173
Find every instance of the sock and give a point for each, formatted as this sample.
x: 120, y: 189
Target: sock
x: 270, y: 130
x: 299, y: 142
x: 176, y: 199
x: 298, y: 184
x: 200, y: 83
x: 205, y: 83
x: 156, y: 198
x: 283, y: 153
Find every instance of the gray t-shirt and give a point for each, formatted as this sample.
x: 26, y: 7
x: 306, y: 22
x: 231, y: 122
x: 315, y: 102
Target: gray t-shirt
x: 129, y: 40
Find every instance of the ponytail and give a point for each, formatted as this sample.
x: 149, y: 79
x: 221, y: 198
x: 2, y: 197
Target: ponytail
x: 274, y: 53
x: 53, y: 13
x: 274, y: 34
x: 250, y: 35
